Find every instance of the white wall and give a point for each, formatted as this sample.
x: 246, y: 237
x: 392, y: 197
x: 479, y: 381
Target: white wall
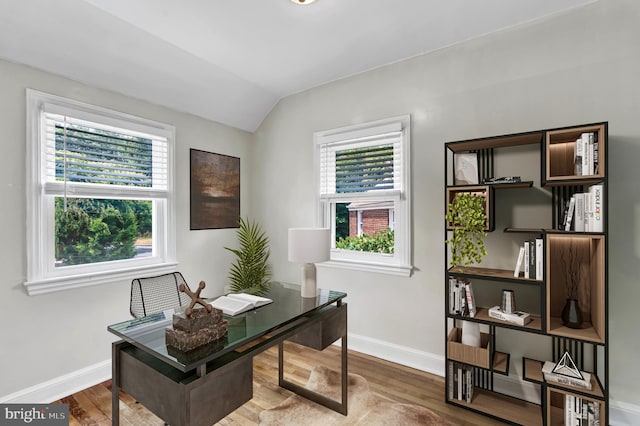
x: 575, y: 68
x: 44, y: 337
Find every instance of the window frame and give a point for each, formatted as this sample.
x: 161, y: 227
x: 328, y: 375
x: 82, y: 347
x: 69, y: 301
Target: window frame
x: 42, y: 276
x: 398, y: 263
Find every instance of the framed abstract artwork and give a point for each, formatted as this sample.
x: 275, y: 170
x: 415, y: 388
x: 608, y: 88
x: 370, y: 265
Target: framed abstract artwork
x: 214, y: 190
x: 465, y: 165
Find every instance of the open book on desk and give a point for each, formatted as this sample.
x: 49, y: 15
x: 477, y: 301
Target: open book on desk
x: 236, y: 303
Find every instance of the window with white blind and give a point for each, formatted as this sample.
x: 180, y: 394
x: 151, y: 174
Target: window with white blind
x: 100, y: 195
x: 363, y: 178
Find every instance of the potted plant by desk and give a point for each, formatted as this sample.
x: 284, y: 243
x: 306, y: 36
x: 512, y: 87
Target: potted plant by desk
x: 251, y: 272
x: 467, y: 219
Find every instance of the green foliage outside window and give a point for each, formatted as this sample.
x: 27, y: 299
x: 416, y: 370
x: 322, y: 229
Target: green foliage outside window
x: 92, y: 230
x: 382, y: 242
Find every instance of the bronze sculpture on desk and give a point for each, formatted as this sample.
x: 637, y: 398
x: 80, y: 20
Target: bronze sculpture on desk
x: 195, y: 327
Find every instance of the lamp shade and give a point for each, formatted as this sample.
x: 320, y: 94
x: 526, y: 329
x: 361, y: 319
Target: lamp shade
x: 309, y: 245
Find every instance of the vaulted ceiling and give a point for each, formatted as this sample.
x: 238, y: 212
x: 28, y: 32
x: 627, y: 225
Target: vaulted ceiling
x: 231, y: 61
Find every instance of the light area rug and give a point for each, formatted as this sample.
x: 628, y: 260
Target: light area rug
x: 364, y: 406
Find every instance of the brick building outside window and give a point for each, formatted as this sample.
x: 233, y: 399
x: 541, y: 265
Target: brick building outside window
x: 370, y: 218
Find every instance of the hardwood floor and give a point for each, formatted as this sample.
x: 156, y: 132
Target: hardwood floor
x: 93, y: 406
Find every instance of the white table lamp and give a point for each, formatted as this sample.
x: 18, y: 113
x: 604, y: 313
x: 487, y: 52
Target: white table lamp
x: 309, y: 246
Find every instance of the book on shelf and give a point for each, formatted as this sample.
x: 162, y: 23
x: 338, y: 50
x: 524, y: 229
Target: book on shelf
x: 595, y: 153
x: 516, y: 317
x: 460, y: 379
x: 532, y: 259
x: 570, y: 209
x: 456, y: 303
x: 526, y: 262
x: 595, y: 209
x: 539, y: 256
x: 564, y: 212
x: 579, y: 411
x: 461, y: 298
x: 579, y: 213
x: 584, y: 212
x: 550, y: 376
x: 451, y: 383
x: 577, y: 156
x: 237, y: 303
x: 568, y: 409
x: 585, y: 155
x: 471, y: 300
x: 460, y: 385
x: 516, y: 271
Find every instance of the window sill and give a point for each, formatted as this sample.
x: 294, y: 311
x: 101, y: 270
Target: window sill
x: 52, y: 285
x: 397, y: 270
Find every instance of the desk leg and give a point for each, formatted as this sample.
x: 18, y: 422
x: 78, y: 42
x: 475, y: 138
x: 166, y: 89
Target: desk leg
x: 115, y: 383
x: 340, y: 407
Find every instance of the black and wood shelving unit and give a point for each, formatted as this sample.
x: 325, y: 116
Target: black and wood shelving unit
x: 554, y: 180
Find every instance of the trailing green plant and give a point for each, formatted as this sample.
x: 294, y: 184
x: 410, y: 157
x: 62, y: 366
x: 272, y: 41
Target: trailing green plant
x: 466, y: 216
x: 381, y: 242
x: 251, y: 272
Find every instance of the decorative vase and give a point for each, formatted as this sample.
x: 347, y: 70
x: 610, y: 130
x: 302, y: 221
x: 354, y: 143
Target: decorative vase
x: 571, y: 316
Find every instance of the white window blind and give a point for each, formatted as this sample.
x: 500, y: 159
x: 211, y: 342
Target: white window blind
x: 83, y: 157
x: 361, y: 167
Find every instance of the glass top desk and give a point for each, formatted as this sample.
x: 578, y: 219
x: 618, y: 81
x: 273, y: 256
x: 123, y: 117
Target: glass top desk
x: 204, y: 385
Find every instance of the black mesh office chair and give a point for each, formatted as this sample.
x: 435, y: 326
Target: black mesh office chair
x: 156, y: 294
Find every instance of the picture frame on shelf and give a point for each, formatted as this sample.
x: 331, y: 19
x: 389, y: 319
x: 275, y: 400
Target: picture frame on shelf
x: 465, y: 166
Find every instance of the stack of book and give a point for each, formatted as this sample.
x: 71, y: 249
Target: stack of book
x: 515, y: 317
x: 586, y: 154
x: 583, y: 212
x: 461, y: 299
x: 460, y: 384
x: 530, y: 260
x: 581, y: 412
x: 563, y: 379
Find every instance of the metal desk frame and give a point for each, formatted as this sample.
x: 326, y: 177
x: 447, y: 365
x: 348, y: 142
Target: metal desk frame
x: 202, y: 396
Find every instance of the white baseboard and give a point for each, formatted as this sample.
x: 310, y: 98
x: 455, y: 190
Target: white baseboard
x: 424, y: 361
x: 54, y: 389
x: 620, y: 413
x: 623, y: 413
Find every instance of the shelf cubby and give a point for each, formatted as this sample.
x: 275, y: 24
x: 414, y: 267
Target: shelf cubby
x: 477, y: 356
x: 513, y: 410
x: 482, y: 314
x: 490, y: 274
x: 556, y: 400
x: 532, y: 372
x: 583, y: 257
x: 560, y: 147
x: 484, y: 191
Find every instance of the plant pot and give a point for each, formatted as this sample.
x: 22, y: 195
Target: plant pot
x: 571, y: 315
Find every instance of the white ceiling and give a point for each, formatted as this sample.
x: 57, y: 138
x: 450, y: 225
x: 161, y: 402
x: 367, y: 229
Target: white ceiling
x: 231, y: 61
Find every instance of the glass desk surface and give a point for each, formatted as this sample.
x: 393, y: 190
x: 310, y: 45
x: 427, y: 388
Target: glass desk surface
x: 148, y: 333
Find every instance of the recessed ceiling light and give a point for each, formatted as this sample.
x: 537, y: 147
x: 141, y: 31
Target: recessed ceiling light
x: 303, y: 1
